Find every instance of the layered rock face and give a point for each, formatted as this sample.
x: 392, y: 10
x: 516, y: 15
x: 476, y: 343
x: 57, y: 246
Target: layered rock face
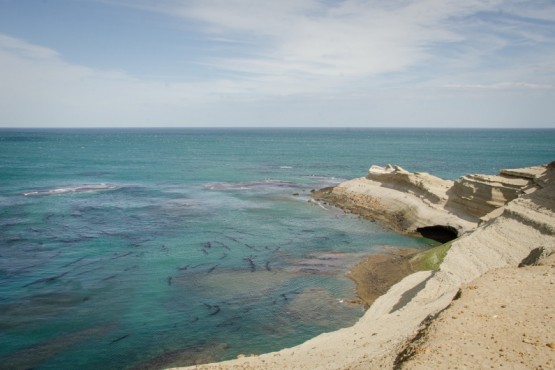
x: 430, y: 188
x: 482, y: 194
x: 421, y: 203
x: 400, y: 199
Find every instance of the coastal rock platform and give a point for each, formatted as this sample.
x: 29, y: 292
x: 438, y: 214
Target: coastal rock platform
x: 420, y: 203
x: 504, y: 313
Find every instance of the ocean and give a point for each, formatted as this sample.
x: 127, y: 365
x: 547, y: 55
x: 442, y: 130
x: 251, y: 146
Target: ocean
x: 145, y: 248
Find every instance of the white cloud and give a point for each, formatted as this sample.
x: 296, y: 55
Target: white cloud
x: 370, y: 57
x: 349, y: 38
x: 320, y: 45
x: 38, y: 86
x: 26, y: 50
x: 502, y: 86
x: 323, y: 38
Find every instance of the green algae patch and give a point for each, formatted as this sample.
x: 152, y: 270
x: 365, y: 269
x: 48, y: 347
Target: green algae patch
x: 431, y: 259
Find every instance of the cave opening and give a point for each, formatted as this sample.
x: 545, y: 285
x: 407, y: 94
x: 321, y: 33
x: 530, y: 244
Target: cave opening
x: 440, y: 233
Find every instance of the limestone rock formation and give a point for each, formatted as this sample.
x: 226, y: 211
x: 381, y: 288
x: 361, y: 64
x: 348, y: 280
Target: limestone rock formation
x: 481, y: 194
x: 419, y: 202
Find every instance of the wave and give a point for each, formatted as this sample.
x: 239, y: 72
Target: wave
x: 84, y: 188
x: 314, y: 181
x: 251, y: 185
x: 323, y: 178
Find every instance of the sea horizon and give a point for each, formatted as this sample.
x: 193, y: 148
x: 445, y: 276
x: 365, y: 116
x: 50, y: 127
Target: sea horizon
x: 266, y: 127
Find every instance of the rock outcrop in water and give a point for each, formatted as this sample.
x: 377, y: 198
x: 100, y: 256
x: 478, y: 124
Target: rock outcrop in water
x: 426, y: 308
x: 421, y: 203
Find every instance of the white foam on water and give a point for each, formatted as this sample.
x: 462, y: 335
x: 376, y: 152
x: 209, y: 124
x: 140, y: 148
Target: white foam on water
x: 269, y: 183
x: 84, y: 188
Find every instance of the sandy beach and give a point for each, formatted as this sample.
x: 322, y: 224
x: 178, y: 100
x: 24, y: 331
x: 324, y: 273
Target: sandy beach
x: 475, y: 306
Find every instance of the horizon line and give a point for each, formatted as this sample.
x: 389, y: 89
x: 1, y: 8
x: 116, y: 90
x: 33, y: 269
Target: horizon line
x: 269, y: 127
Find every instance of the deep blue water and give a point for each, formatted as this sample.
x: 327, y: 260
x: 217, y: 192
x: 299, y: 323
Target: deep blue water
x: 125, y: 248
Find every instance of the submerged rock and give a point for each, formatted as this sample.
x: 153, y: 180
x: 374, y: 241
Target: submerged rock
x: 184, y: 357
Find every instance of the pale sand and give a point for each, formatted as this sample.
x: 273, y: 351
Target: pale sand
x: 392, y: 323
x: 503, y: 319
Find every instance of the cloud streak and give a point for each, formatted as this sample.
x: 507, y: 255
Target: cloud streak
x: 39, y: 85
x: 305, y: 43
x: 307, y: 37
x: 337, y: 42
x: 502, y: 86
x: 260, y: 58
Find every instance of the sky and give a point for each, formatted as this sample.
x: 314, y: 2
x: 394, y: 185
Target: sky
x: 267, y: 63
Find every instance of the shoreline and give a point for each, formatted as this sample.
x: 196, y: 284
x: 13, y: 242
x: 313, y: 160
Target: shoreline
x: 375, y: 275
x: 501, y: 221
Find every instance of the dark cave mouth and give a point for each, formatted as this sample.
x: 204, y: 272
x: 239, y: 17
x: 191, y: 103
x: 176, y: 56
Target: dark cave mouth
x: 440, y: 233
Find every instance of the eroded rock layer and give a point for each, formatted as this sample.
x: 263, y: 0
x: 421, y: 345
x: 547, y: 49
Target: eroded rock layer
x: 411, y: 202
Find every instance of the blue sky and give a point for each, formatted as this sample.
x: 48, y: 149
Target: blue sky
x: 351, y: 63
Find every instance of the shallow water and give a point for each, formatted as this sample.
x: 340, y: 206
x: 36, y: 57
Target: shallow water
x: 125, y: 248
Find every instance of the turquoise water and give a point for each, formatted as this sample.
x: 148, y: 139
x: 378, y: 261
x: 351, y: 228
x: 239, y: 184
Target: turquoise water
x: 151, y: 248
